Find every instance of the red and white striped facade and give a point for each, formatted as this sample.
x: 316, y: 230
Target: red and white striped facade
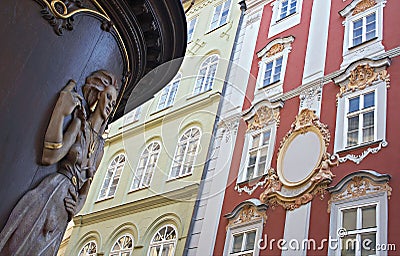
x: 316, y: 149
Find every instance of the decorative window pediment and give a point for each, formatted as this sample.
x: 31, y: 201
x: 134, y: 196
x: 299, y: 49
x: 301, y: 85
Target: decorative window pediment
x: 301, y: 174
x: 247, y: 211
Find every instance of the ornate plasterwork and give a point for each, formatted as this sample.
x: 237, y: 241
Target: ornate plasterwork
x: 363, y: 76
x: 250, y: 189
x: 292, y: 195
x: 311, y: 97
x: 248, y: 211
x: 358, y: 158
x: 359, y: 184
x: 229, y: 128
x: 263, y: 116
x: 363, y: 5
x: 276, y: 48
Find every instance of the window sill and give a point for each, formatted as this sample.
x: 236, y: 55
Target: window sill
x: 179, y: 177
x: 273, y: 84
x: 200, y: 93
x: 252, y: 180
x: 138, y: 189
x: 128, y: 124
x: 363, y: 44
x: 359, y: 146
x: 103, y: 199
x: 160, y: 110
x: 285, y: 18
x: 216, y: 28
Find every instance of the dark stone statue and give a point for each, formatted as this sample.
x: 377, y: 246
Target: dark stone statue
x: 38, y: 221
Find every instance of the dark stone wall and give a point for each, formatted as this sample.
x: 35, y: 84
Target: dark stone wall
x: 35, y: 64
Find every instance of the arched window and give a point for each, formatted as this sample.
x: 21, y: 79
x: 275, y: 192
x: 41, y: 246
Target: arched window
x: 147, y: 165
x: 205, y: 78
x: 90, y: 249
x: 186, y: 153
x: 164, y: 242
x: 123, y: 246
x: 112, y: 177
x: 169, y: 92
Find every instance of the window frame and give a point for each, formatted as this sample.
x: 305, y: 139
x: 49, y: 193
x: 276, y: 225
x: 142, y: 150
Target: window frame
x: 133, y: 116
x: 176, y: 81
x: 242, y: 177
x: 336, y: 218
x: 278, y: 24
x: 83, y: 247
x: 146, y: 167
x: 162, y: 243
x: 207, y: 67
x: 124, y: 250
x: 240, y: 228
x: 184, y: 157
x: 218, y: 21
x: 190, y: 35
x: 117, y: 165
x: 380, y: 89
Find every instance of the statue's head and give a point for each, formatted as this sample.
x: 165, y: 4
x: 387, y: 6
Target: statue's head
x: 100, y: 92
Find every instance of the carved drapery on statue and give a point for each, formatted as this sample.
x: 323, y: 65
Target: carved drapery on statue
x: 301, y: 174
x: 37, y: 223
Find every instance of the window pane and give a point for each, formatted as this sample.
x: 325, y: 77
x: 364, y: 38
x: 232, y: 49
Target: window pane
x: 277, y: 71
x: 266, y: 137
x: 284, y: 7
x: 369, y: 100
x: 370, y: 27
x: 215, y: 19
x: 293, y: 5
x: 368, y: 127
x: 256, y: 141
x: 354, y: 104
x: 350, y: 219
x: 369, y: 217
x: 267, y: 74
x: 237, y: 243
x: 225, y: 12
x: 369, y: 240
x: 250, y: 240
x: 192, y: 23
x: 349, y: 244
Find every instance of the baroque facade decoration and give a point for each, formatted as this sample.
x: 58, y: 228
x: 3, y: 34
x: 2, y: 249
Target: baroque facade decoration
x: 363, y: 5
x: 286, y: 188
x: 359, y: 184
x: 246, y: 212
x: 263, y: 116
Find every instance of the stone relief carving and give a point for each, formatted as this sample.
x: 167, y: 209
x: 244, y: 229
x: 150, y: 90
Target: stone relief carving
x: 247, y: 213
x: 229, y: 128
x: 311, y: 97
x: 363, y: 5
x: 291, y: 197
x: 38, y: 221
x: 276, y: 48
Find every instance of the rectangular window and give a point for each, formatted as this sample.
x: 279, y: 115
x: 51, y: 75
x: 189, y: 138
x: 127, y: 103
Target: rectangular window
x: 257, y: 156
x: 364, y: 29
x: 191, y: 26
x: 361, y: 119
x: 221, y: 13
x: 133, y: 116
x: 243, y: 243
x: 360, y: 224
x: 272, y: 72
x: 287, y: 8
x: 167, y: 97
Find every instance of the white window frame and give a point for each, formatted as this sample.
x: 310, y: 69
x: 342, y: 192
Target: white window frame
x: 169, y: 92
x: 185, y: 142
x: 219, y: 22
x: 246, y: 153
x: 191, y: 26
x: 279, y: 25
x: 246, y: 227
x: 274, y: 88
x: 149, y: 170
x: 122, y: 250
x: 163, y: 242
x: 379, y: 87
x: 206, y: 65
x: 87, y: 244
x: 133, y: 116
x: 368, y: 48
x: 336, y: 218
x: 114, y: 168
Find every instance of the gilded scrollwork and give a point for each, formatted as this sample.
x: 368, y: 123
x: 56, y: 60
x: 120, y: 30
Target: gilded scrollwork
x: 247, y: 213
x: 362, y: 77
x: 363, y: 5
x: 262, y: 118
x: 359, y: 185
x: 276, y: 48
x: 293, y: 195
